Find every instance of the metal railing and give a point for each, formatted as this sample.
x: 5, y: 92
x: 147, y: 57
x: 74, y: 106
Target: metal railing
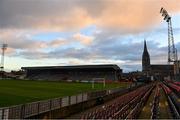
x: 35, y: 108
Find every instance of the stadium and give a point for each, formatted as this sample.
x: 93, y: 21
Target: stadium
x: 84, y: 59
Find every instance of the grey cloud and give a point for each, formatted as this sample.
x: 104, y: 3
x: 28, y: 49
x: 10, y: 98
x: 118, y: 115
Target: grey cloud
x: 60, y: 13
x: 126, y: 52
x: 129, y: 68
x: 110, y: 43
x: 115, y: 48
x: 29, y: 13
x: 24, y: 41
x: 131, y: 54
x: 32, y: 54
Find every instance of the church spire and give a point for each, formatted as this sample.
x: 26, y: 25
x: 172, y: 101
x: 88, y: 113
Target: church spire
x: 145, y: 59
x: 145, y: 47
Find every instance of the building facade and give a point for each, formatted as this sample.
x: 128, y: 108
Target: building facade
x: 158, y: 70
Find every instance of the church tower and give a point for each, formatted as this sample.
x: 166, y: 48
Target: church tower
x: 145, y: 59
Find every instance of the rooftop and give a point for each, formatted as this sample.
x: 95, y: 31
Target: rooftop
x: 114, y: 66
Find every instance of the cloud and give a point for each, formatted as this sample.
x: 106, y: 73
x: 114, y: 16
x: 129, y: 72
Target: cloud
x: 58, y: 42
x: 122, y: 15
x: 113, y: 19
x: 126, y: 55
x: 114, y: 51
x: 10, y: 51
x: 105, y: 48
x: 42, y: 14
x: 32, y: 55
x: 134, y: 16
x: 86, y: 40
x: 22, y: 40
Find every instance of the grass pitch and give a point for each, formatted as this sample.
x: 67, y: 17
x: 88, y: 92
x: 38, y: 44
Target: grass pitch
x: 13, y: 92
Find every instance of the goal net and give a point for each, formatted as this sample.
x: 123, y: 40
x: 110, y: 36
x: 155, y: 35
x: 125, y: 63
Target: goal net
x: 98, y: 80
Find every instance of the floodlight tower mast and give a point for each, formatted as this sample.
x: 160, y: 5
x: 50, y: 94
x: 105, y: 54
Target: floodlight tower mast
x: 171, y: 46
x: 3, y: 47
x: 172, y: 51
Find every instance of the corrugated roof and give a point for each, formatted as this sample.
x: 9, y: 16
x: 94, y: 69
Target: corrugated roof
x: 114, y: 66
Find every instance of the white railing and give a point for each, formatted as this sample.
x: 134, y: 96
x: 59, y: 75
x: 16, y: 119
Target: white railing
x: 35, y: 108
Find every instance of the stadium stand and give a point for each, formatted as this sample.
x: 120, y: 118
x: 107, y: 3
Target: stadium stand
x: 121, y: 107
x: 74, y: 73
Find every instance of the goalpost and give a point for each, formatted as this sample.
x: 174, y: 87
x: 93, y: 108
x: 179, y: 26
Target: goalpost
x: 98, y: 80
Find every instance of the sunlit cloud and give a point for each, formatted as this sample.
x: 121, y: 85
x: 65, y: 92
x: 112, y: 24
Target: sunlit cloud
x: 128, y: 15
x: 58, y: 42
x: 86, y: 40
x: 119, y: 29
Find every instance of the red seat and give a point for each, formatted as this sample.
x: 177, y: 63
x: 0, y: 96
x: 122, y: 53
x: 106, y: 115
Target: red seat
x: 176, y: 87
x: 177, y: 83
x: 166, y: 89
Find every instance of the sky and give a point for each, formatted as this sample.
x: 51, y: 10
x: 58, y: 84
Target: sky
x: 75, y: 32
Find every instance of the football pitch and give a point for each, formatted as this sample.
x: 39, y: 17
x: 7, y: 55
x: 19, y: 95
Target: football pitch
x: 13, y: 92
